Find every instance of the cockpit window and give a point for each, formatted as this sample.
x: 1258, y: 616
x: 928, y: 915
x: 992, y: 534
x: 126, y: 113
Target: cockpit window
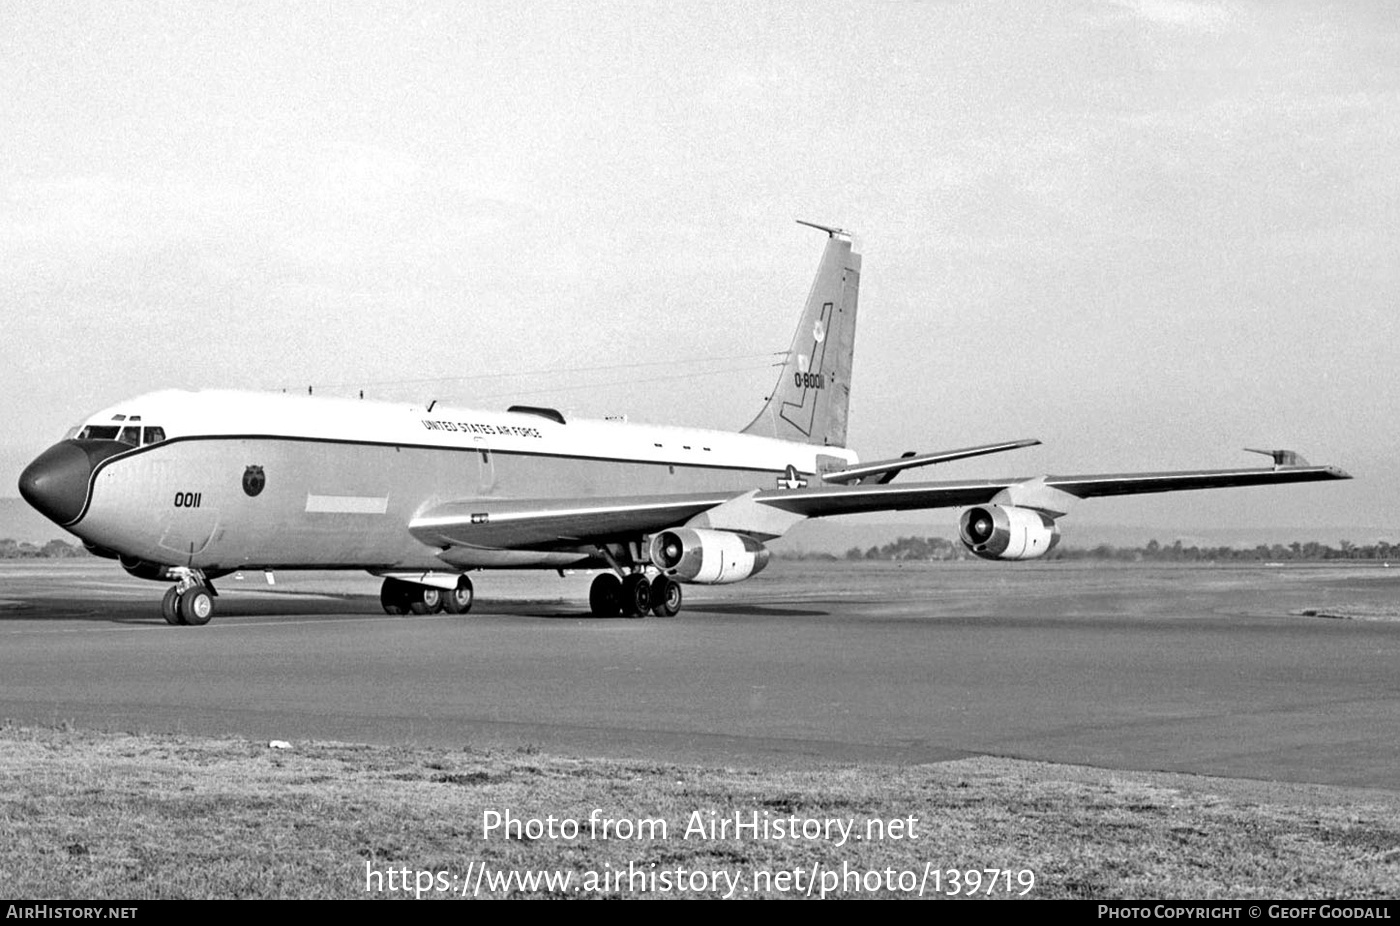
x: 133, y: 434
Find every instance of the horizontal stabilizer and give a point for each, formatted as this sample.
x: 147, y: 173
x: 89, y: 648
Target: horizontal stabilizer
x: 882, y: 471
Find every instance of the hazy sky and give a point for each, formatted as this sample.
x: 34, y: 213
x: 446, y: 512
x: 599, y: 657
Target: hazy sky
x: 1147, y: 232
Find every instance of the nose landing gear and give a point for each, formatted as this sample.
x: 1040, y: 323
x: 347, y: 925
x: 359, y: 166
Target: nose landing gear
x: 190, y: 600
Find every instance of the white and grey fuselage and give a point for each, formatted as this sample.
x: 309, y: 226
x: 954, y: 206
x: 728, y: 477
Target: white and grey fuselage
x: 241, y: 480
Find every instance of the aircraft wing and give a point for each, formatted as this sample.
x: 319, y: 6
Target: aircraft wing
x: 567, y: 523
x: 823, y: 501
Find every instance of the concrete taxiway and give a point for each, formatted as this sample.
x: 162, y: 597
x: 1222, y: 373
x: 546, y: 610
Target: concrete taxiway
x: 1210, y: 670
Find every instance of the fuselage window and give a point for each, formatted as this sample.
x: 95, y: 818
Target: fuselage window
x: 131, y: 436
x: 155, y: 435
x: 98, y: 432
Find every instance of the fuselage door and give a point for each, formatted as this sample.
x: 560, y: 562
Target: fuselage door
x: 486, y: 466
x: 190, y: 526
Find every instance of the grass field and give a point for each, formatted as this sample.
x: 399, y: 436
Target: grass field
x: 89, y: 815
x: 86, y: 814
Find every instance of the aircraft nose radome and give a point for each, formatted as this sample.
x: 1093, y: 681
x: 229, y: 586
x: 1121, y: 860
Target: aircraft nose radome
x: 56, y: 482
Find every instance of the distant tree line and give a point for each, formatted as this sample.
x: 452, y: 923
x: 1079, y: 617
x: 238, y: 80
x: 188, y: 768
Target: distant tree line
x: 939, y: 549
x: 1177, y: 552
x: 926, y: 549
x: 54, y: 549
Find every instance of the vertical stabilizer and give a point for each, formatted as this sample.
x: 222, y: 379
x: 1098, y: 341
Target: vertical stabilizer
x: 810, y: 401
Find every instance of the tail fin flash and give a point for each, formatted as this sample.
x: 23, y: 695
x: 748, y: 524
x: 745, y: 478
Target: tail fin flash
x: 810, y: 401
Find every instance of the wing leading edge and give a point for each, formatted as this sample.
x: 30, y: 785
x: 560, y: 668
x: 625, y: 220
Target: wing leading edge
x: 568, y: 523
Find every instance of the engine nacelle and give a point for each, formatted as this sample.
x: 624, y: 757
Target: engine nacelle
x: 707, y: 557
x: 1002, y: 532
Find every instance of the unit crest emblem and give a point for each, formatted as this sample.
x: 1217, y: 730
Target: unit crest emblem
x: 253, y: 480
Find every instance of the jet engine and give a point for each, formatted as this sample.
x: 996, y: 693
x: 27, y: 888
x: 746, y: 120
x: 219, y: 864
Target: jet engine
x: 1005, y: 532
x: 707, y: 557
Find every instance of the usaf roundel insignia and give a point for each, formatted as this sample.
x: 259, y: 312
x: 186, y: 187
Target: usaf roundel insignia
x: 253, y: 480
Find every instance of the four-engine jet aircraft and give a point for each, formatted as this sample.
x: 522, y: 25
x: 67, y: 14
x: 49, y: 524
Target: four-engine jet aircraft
x: 185, y: 487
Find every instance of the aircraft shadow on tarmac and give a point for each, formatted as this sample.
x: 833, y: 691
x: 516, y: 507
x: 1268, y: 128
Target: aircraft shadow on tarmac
x: 137, y: 611
x: 99, y: 613
x: 753, y: 610
x: 572, y: 611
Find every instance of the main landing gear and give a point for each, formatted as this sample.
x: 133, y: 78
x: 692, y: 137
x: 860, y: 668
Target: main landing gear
x: 190, y: 601
x: 400, y: 597
x: 634, y: 595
